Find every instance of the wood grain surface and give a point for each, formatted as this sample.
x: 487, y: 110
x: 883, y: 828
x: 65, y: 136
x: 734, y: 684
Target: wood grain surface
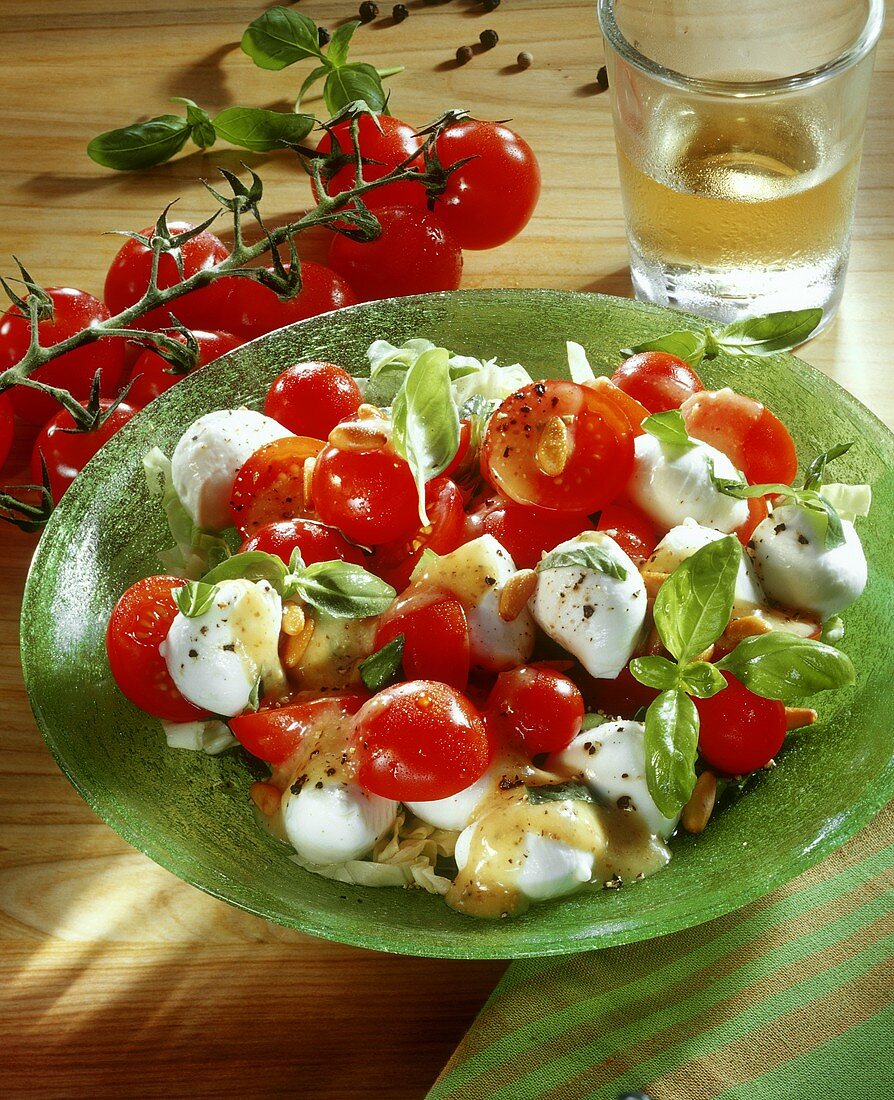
x: 118, y: 979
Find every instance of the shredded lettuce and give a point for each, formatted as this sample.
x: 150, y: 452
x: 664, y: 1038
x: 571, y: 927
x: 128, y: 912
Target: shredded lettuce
x: 212, y: 737
x: 578, y: 363
x: 849, y: 501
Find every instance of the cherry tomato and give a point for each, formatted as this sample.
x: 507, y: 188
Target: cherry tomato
x: 628, y: 406
x: 420, y: 741
x: 757, y: 513
x: 756, y: 441
x: 251, y: 309
x: 621, y: 697
x: 67, y: 451
x: 270, y: 484
x: 528, y: 533
x: 369, y: 495
x: 273, y: 734
x: 739, y: 731
x: 598, y: 452
x: 139, y: 624
x: 414, y: 254
x: 631, y: 529
x: 315, y: 540
x: 73, y: 310
x: 462, y: 450
x: 537, y: 707
x: 385, y: 142
x: 311, y: 398
x: 7, y: 428
x: 657, y: 380
x: 128, y: 278
x: 489, y: 200
x: 436, y: 636
x: 395, y: 561
x: 152, y: 374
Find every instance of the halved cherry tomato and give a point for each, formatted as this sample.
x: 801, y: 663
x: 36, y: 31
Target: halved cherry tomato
x: 757, y: 513
x: 395, y: 561
x: 152, y: 374
x: 436, y: 636
x: 315, y: 540
x: 537, y: 707
x: 66, y: 450
x: 756, y: 441
x: 631, y: 529
x: 739, y: 731
x: 139, y: 624
x: 420, y: 741
x: 270, y: 484
x: 465, y: 439
x: 635, y: 412
x: 273, y: 734
x: 369, y: 495
x: 311, y: 398
x: 526, y: 533
x: 657, y: 380
x: 598, y: 452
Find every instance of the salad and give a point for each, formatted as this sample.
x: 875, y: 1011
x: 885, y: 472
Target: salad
x: 496, y: 637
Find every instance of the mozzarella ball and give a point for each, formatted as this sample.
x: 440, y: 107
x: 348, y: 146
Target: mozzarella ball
x: 596, y: 617
x: 671, y: 483
x: 335, y: 822
x: 208, y: 457
x: 798, y: 571
x: 457, y: 810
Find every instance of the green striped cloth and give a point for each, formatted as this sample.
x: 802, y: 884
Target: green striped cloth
x: 791, y: 998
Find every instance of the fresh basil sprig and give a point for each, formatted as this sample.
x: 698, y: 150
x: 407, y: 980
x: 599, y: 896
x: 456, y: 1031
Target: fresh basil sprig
x: 339, y: 589
x: 760, y: 336
x: 253, y: 565
x: 384, y: 666
x: 561, y: 792
x: 585, y: 556
x: 669, y: 427
x: 195, y: 598
x: 671, y: 746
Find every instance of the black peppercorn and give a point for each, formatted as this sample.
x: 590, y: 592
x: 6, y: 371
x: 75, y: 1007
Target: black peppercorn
x: 463, y: 55
x: 490, y: 5
x: 368, y: 11
x: 488, y: 39
x: 323, y: 36
x: 399, y: 13
x: 602, y: 79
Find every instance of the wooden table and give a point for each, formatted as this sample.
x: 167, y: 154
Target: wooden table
x: 117, y: 978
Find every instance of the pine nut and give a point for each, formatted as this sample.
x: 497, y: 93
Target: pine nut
x: 698, y: 810
x: 309, y: 465
x: 266, y: 797
x: 292, y: 647
x: 653, y: 581
x: 358, y: 436
x: 293, y: 619
x: 553, y: 448
x: 369, y: 412
x: 515, y: 593
x: 798, y: 717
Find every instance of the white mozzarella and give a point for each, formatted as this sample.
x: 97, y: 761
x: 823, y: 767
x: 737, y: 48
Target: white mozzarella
x: 335, y: 822
x: 475, y: 573
x: 216, y: 659
x: 612, y: 760
x: 670, y: 483
x: 208, y: 457
x: 597, y: 618
x: 457, y: 810
x: 682, y: 542
x: 799, y: 572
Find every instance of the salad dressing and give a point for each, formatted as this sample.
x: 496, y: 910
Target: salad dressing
x: 333, y: 654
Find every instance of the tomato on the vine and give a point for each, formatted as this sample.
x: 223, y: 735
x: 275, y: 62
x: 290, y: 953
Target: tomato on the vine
x: 537, y: 707
x: 273, y: 734
x: 756, y: 440
x: 73, y: 310
x: 152, y: 374
x: 631, y: 529
x: 66, y: 450
x: 420, y: 741
x: 315, y: 540
x: 414, y: 254
x: 490, y: 199
x: 436, y: 636
x: 139, y: 624
x: 395, y: 561
x: 526, y: 532
x: 7, y: 428
x: 558, y: 446
x: 739, y: 731
x: 658, y: 380
x: 311, y: 398
x: 384, y: 142
x: 269, y: 486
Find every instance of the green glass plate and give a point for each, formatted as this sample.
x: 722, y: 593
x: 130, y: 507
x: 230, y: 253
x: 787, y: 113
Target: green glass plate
x: 192, y: 814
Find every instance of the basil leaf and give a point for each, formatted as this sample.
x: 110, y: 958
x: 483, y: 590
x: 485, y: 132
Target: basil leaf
x: 826, y: 514
x: 384, y: 666
x: 425, y: 420
x: 770, y: 334
x: 784, y: 666
x: 254, y: 698
x: 141, y: 145
x: 694, y: 604
x: 668, y: 427
x: 195, y: 598
x: 341, y: 590
x: 815, y: 474
x: 671, y: 745
x: 562, y: 792
x: 280, y: 37
x: 655, y: 672
x: 352, y: 82
x: 337, y: 50
x: 585, y: 556
x: 201, y: 127
x: 261, y: 131
x: 253, y: 565
x: 312, y: 77
x: 592, y: 721
x: 701, y: 679
x: 683, y: 343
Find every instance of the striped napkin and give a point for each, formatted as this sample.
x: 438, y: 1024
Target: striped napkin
x: 790, y: 998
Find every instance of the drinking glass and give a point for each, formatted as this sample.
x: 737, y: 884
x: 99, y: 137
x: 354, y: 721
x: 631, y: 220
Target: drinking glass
x: 739, y: 129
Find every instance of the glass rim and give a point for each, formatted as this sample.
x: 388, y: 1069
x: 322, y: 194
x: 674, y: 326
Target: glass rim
x: 846, y: 59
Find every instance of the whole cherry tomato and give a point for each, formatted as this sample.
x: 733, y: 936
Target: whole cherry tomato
x: 66, y: 451
x: 657, y: 380
x: 739, y: 731
x: 273, y: 734
x: 414, y: 254
x: 315, y: 540
x: 490, y: 199
x: 420, y: 741
x: 395, y: 561
x: 436, y: 636
x: 631, y: 529
x: 152, y: 374
x: 527, y: 532
x: 269, y: 486
x: 139, y: 624
x: 7, y: 428
x: 311, y: 398
x: 73, y: 310
x: 385, y: 142
x: 536, y: 707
